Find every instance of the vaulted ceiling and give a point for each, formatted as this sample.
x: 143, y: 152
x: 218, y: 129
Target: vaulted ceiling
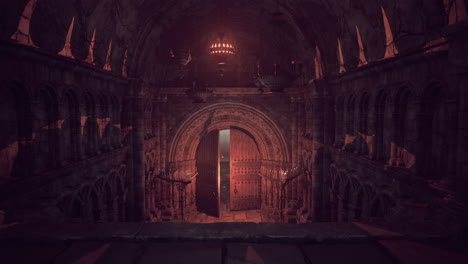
x: 150, y: 28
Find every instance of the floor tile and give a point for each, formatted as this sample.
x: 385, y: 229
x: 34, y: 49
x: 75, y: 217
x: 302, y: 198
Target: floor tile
x: 349, y: 253
x: 238, y: 253
x: 82, y: 252
x: 181, y: 253
x: 121, y: 252
x: 30, y: 253
x: 414, y: 252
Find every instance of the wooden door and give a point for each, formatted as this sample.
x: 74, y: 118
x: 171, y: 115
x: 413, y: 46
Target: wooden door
x: 207, y: 184
x: 245, y: 186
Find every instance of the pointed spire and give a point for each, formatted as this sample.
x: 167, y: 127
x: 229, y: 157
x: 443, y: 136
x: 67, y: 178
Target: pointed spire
x: 66, y: 51
x: 107, y: 67
x: 341, y: 57
x: 124, y: 67
x: 455, y: 10
x: 362, y: 52
x: 390, y: 50
x: 90, y: 58
x: 22, y: 35
x: 318, y: 64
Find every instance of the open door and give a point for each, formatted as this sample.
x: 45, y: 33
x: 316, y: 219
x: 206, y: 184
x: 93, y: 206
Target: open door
x: 207, y: 184
x: 245, y: 165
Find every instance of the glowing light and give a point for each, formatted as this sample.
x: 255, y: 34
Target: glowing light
x: 222, y: 47
x: 362, y: 54
x: 341, y: 57
x: 124, y: 67
x: 391, y: 50
x: 22, y: 35
x: 90, y: 58
x: 107, y: 66
x: 318, y: 64
x: 66, y: 51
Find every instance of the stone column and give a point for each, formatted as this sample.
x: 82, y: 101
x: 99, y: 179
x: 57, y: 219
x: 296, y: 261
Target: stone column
x: 328, y: 139
x: 293, y: 112
x: 318, y: 109
x: 371, y: 128
x: 138, y: 151
x: 458, y: 56
x: 59, y: 137
x: 389, y: 131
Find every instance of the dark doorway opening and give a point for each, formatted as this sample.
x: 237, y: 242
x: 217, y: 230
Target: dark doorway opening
x: 228, y: 187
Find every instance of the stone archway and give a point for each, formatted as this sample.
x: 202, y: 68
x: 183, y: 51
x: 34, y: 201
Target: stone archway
x: 269, y: 138
x: 271, y: 143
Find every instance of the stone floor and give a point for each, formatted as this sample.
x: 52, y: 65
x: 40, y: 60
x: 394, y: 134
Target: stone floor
x: 265, y: 243
x: 252, y: 216
x: 227, y: 216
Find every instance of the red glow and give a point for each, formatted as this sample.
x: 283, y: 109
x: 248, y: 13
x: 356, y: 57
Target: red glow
x: 22, y: 35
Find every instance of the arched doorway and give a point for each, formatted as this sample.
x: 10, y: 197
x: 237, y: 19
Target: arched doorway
x: 263, y: 149
x: 228, y: 163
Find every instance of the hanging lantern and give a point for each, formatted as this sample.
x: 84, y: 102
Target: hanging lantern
x: 221, y: 49
x: 221, y: 46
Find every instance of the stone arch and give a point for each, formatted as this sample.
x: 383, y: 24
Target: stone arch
x: 70, y: 130
x: 95, y: 205
x: 269, y: 138
x: 350, y: 115
x: 72, y: 208
x: 403, y: 116
x: 45, y: 112
x: 363, y: 128
x: 115, y: 108
x: 109, y: 200
x: 307, y: 161
x: 89, y: 126
x: 75, y: 210
x: 359, y: 204
x: 83, y: 195
x: 16, y: 119
x: 334, y: 192
x: 339, y: 121
x: 380, y: 121
x: 103, y: 122
x: 345, y: 199
x: 436, y: 133
x: 121, y: 192
x: 380, y: 206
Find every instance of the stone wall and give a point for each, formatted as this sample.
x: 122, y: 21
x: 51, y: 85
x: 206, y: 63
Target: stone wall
x: 63, y: 151
x: 386, y: 151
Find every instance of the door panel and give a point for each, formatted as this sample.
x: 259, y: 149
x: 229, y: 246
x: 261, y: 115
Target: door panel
x: 245, y: 188
x: 207, y: 185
